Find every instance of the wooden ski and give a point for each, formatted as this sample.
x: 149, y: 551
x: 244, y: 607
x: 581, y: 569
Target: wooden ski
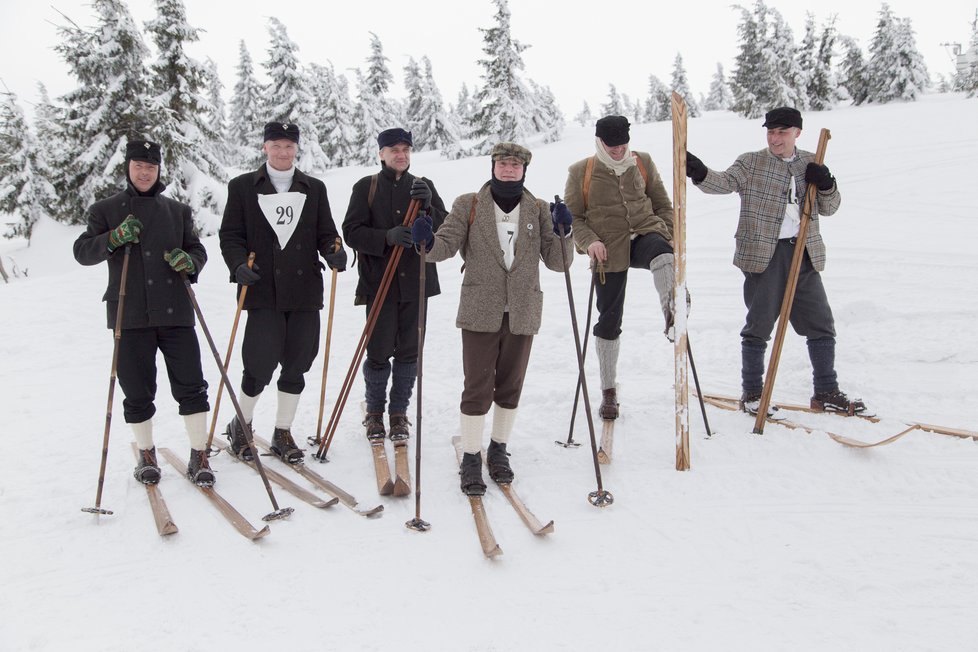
x: 382, y: 468
x: 606, y: 449
x: 486, y: 538
x: 161, y: 513
x: 233, y: 516
x: 402, y: 469
x: 679, y: 249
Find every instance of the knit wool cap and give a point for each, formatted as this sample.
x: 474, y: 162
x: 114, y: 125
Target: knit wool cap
x: 391, y: 137
x: 783, y: 116
x: 612, y: 130
x: 143, y: 150
x: 281, y: 131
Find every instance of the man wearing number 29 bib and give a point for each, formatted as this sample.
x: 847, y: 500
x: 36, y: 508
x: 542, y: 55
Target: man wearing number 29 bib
x: 283, y: 216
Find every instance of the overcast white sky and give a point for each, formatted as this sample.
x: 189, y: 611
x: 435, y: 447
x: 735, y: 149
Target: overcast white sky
x: 578, y: 48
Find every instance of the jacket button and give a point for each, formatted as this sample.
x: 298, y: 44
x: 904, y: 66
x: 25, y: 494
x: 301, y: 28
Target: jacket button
x: 149, y: 281
x: 299, y: 272
x: 147, y: 253
x: 278, y: 271
x: 169, y: 311
x: 169, y: 281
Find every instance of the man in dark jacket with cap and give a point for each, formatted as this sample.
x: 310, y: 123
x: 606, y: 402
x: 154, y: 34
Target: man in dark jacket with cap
x: 157, y: 233
x: 283, y: 216
x: 772, y: 184
x: 622, y: 219
x: 373, y: 227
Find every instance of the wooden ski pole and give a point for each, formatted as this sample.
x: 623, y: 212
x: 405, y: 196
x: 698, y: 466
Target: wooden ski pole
x: 789, y: 290
x: 570, y: 443
x: 279, y: 512
x: 368, y: 330
x: 117, y: 335
x: 679, y: 292
x: 699, y: 392
x: 314, y: 440
x: 417, y: 523
x: 227, y: 358
x: 600, y: 497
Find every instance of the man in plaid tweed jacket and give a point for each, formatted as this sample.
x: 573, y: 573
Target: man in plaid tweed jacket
x: 772, y: 184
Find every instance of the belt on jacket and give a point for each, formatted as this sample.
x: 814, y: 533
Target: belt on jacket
x: 790, y: 241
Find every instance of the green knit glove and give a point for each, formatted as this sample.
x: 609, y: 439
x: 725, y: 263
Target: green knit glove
x: 125, y: 233
x: 180, y: 261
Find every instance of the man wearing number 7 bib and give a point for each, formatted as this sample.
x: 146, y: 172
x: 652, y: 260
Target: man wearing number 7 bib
x: 283, y: 216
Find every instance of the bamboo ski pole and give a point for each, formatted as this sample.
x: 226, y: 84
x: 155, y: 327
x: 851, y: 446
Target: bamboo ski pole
x: 279, y: 512
x: 699, y: 392
x: 570, y: 443
x: 600, y: 497
x: 789, y: 290
x: 117, y: 335
x: 368, y: 330
x: 681, y: 382
x: 417, y: 523
x: 314, y: 440
x: 227, y: 358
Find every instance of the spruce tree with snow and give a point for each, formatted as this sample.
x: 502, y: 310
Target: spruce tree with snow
x: 289, y: 98
x: 103, y: 112
x: 787, y: 83
x: 217, y: 112
x: 247, y: 114
x: 504, y: 106
x: 25, y: 191
x: 464, y: 110
x: 719, y: 97
x: 614, y: 105
x: 547, y: 116
x: 752, y: 74
x: 584, y: 118
x: 414, y: 120
x: 681, y: 86
x: 968, y: 80
x: 815, y: 60
x: 437, y: 125
x: 337, y: 133
x: 853, y: 75
x: 375, y: 110
x: 896, y: 69
x: 658, y: 105
x: 179, y: 110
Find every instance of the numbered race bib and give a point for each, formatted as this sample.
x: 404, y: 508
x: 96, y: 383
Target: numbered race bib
x: 507, y: 241
x: 282, y: 210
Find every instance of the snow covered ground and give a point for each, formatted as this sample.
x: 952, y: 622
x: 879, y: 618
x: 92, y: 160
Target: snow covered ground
x: 786, y: 541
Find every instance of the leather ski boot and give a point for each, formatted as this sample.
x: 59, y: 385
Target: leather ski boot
x: 239, y: 441
x: 609, y: 404
x: 374, y: 421
x: 470, y: 471
x: 837, y: 401
x: 399, y: 427
x: 285, y: 448
x: 147, y: 470
x: 499, y: 469
x: 199, y: 469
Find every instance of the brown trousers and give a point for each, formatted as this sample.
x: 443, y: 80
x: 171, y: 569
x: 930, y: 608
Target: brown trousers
x: 495, y: 367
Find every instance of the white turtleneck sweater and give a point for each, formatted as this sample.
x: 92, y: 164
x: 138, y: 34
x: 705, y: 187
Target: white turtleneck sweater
x: 282, y: 180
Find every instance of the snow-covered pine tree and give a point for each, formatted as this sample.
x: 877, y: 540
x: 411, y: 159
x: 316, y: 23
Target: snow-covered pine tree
x: 968, y: 80
x: 547, y: 116
x: 719, y: 98
x: 853, y: 76
x: 815, y: 60
x: 289, y: 98
x: 439, y: 129
x: 375, y: 110
x: 414, y: 120
x: 614, y: 105
x: 179, y: 111
x: 217, y: 112
x: 681, y: 86
x: 896, y: 69
x: 752, y: 75
x: 103, y: 112
x: 25, y: 191
x: 503, y: 104
x: 247, y: 114
x: 464, y: 110
x: 658, y: 106
x: 584, y: 118
x: 787, y: 83
x: 337, y: 134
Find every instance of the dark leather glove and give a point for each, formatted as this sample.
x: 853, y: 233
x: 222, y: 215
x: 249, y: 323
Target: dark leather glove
x: 561, y: 216
x: 695, y: 169
x: 399, y: 236
x: 245, y: 276
x: 820, y: 176
x: 336, y: 259
x: 422, y: 233
x: 125, y: 233
x: 421, y: 192
x: 180, y: 261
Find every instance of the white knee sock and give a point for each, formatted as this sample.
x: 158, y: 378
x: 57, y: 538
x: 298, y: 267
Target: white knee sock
x: 248, y: 404
x: 502, y: 423
x: 471, y: 428
x: 664, y: 279
x: 144, y: 434
x: 287, y: 405
x: 196, y: 425
x: 607, y: 351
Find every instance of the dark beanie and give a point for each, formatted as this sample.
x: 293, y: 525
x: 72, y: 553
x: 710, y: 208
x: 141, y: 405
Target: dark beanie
x: 783, y: 116
x: 613, y: 130
x: 143, y: 150
x: 281, y: 131
x: 391, y: 137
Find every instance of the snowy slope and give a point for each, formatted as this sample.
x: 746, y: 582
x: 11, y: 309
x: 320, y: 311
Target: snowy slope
x: 787, y: 541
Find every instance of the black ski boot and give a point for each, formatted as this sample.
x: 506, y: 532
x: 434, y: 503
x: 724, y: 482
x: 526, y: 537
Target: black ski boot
x: 499, y: 469
x: 239, y: 441
x: 471, y: 474
x: 750, y: 402
x: 147, y: 470
x: 284, y: 446
x: 609, y: 404
x: 836, y: 401
x: 374, y: 421
x: 399, y: 427
x: 199, y: 469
